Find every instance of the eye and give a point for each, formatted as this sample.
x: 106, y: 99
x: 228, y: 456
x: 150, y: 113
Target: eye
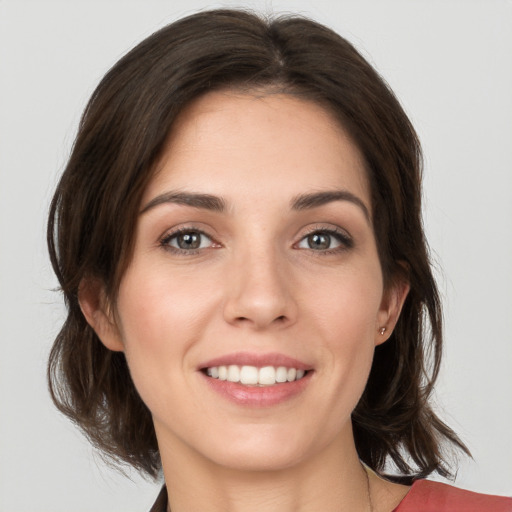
x: 187, y: 240
x: 325, y: 240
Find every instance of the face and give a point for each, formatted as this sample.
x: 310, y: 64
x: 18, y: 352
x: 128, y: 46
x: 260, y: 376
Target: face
x: 254, y: 260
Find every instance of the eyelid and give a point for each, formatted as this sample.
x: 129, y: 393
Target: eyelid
x: 345, y: 239
x: 164, y: 240
x: 341, y: 235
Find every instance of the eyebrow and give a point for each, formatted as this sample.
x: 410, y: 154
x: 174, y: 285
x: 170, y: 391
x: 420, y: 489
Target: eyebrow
x: 218, y: 204
x: 316, y: 199
x: 204, y: 201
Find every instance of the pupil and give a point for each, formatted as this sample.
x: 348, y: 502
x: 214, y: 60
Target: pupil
x: 189, y: 241
x: 319, y: 241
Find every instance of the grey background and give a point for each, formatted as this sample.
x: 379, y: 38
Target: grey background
x: 450, y: 64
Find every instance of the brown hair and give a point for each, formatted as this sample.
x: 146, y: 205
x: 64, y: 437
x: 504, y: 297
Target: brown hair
x: 121, y: 136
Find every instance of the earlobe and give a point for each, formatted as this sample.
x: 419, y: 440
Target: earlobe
x: 98, y: 312
x: 391, y: 306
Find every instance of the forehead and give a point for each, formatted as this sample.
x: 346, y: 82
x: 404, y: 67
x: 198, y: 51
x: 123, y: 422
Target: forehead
x: 236, y: 144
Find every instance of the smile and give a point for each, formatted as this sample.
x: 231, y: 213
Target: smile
x: 254, y: 376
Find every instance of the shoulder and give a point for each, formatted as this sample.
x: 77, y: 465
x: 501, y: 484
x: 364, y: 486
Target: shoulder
x: 428, y: 496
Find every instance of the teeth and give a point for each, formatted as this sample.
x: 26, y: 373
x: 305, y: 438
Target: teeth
x: 249, y: 375
x: 281, y: 374
x: 253, y: 376
x: 223, y: 372
x: 233, y: 373
x: 267, y: 376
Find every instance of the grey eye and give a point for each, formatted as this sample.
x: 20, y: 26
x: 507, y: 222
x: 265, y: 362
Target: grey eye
x: 189, y: 240
x: 320, y: 241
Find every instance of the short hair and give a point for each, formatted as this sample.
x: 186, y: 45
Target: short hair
x: 121, y: 137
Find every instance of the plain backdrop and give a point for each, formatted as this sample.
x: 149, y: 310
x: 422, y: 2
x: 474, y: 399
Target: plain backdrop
x: 450, y: 63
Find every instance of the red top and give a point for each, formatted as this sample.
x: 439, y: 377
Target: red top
x: 424, y: 496
x: 428, y: 496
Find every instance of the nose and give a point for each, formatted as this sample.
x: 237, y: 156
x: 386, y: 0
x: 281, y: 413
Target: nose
x: 260, y: 292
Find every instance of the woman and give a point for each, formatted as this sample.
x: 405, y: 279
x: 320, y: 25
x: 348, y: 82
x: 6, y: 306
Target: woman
x: 238, y: 236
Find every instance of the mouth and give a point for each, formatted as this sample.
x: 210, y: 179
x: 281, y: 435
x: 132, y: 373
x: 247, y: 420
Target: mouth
x: 257, y: 380
x: 254, y: 376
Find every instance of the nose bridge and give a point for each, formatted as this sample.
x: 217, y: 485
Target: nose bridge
x: 259, y: 291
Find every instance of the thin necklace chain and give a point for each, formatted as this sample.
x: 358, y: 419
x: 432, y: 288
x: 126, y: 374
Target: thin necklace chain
x: 368, y: 489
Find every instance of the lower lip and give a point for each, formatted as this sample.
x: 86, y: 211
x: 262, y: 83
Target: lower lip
x: 254, y: 396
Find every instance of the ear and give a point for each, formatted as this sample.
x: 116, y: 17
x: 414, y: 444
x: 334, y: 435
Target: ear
x: 392, y: 301
x: 98, y: 312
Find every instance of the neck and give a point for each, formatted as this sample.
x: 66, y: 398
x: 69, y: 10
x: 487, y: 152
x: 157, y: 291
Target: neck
x: 332, y: 481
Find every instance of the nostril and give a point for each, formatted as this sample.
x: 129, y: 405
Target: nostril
x: 278, y: 319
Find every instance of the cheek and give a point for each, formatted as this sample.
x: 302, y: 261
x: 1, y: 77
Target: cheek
x: 346, y: 318
x: 163, y: 314
x: 155, y: 307
x: 348, y: 301
x: 159, y: 321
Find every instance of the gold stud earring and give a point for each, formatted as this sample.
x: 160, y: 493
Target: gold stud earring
x: 382, y: 330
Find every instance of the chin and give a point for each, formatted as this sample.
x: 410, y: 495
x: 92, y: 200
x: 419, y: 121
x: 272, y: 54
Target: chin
x: 256, y: 459
x: 257, y: 448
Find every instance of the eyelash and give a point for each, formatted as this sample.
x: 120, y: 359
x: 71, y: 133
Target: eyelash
x: 165, y: 241
x: 345, y: 241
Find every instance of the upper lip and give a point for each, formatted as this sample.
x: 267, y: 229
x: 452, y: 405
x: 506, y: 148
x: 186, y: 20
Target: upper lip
x: 255, y: 359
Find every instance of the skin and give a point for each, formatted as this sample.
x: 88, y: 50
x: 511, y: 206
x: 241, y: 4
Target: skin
x: 255, y: 284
